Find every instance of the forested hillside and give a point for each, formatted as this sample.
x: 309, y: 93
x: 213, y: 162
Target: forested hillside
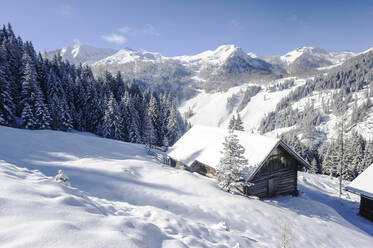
x: 330, y: 110
x: 38, y: 93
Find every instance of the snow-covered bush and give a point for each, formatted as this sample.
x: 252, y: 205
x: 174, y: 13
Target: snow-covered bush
x: 60, y: 177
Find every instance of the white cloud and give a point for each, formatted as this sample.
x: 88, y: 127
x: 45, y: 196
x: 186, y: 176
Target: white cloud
x: 65, y: 10
x: 125, y: 30
x: 236, y: 24
x: 150, y: 30
x: 120, y: 36
x: 114, y: 38
x: 146, y: 30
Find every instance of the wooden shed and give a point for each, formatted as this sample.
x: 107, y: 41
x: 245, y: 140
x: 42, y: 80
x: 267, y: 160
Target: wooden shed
x: 363, y: 186
x: 273, y: 164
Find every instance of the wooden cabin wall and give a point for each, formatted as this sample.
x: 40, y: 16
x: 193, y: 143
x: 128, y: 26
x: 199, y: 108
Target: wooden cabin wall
x: 203, y: 169
x: 282, y: 168
x: 175, y: 163
x: 196, y: 166
x: 366, y: 207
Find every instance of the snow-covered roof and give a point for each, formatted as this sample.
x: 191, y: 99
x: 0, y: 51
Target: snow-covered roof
x: 205, y: 143
x: 363, y: 184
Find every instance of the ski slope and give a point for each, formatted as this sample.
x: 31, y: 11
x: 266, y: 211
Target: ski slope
x: 121, y: 197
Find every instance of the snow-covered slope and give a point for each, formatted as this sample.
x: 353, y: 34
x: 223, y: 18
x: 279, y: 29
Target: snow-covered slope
x: 211, y: 109
x: 121, y: 197
x: 80, y: 54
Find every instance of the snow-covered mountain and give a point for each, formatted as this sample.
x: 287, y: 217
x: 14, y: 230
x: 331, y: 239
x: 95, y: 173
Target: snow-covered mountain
x: 305, y: 60
x: 214, y: 69
x: 80, y: 54
x: 127, y: 55
x: 120, y: 196
x: 292, y: 103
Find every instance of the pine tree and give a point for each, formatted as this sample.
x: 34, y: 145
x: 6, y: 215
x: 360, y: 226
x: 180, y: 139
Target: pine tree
x: 230, y: 170
x: 314, y: 167
x: 35, y: 114
x: 327, y: 152
x: 133, y: 129
x: 61, y: 118
x: 6, y: 102
x: 149, y: 137
x: 156, y: 119
x: 355, y: 155
x: 112, y: 121
x: 232, y: 123
x: 173, y: 125
x: 239, y: 124
x: 28, y: 117
x: 368, y: 156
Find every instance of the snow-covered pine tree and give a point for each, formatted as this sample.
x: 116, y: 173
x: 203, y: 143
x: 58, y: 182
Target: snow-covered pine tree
x: 327, y: 152
x: 112, y: 120
x: 355, y: 153
x: 28, y: 118
x: 13, y: 49
x: 35, y: 114
x: 230, y: 170
x: 175, y: 125
x: 61, y: 118
x: 155, y: 115
x: 6, y: 102
x: 314, y: 167
x: 93, y: 108
x: 149, y: 137
x: 134, y: 125
x: 126, y: 115
x: 42, y: 113
x: 239, y: 124
x: 368, y: 156
x: 232, y: 123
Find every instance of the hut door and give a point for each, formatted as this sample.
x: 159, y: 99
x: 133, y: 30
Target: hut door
x: 271, y: 187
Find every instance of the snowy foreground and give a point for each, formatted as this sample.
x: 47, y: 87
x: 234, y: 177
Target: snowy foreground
x: 122, y: 197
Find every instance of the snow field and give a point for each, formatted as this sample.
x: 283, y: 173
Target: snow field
x: 121, y: 197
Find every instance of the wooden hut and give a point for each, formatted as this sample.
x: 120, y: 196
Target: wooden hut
x: 363, y: 186
x: 273, y: 164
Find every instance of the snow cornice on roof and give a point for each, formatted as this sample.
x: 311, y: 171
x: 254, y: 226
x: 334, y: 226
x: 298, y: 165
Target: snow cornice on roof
x: 363, y: 184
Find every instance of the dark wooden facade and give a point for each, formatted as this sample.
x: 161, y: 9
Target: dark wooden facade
x: 366, y: 207
x: 196, y: 166
x: 277, y: 176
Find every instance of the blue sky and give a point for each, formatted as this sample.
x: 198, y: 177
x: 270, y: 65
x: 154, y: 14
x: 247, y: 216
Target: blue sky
x: 189, y: 27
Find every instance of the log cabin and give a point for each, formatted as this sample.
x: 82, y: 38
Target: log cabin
x: 363, y: 186
x: 273, y: 165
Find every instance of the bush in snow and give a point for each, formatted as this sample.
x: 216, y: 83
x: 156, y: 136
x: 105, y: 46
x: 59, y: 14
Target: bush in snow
x: 60, y: 177
x: 230, y: 170
x: 286, y: 236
